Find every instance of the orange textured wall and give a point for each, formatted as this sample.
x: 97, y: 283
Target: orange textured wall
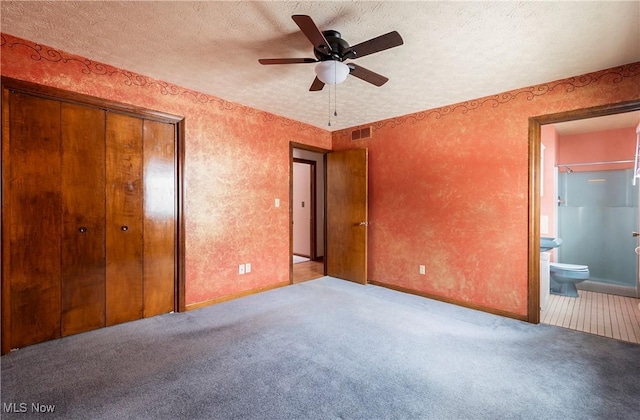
x: 600, y: 146
x: 236, y: 164
x: 449, y: 189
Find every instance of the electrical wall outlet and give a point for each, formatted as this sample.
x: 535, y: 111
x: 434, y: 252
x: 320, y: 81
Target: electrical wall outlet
x: 247, y: 268
x: 241, y: 269
x: 423, y: 270
x: 277, y: 202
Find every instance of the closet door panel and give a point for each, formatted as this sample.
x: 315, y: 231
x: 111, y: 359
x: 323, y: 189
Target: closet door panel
x: 34, y: 217
x: 83, y: 244
x: 124, y: 218
x: 159, y: 217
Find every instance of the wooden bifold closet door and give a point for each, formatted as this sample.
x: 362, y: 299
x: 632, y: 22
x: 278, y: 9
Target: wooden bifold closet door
x: 124, y: 219
x: 33, y: 203
x: 83, y: 214
x: 140, y: 218
x: 89, y: 218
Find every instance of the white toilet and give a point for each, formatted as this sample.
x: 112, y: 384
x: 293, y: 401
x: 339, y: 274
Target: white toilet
x: 564, y: 278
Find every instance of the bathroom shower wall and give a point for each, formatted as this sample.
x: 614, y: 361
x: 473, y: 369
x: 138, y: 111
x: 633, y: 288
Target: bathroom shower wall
x: 595, y: 223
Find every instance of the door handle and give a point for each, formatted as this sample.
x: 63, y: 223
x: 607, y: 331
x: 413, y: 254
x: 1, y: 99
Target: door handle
x: 634, y: 234
x: 363, y: 224
x: 124, y: 228
x: 82, y: 229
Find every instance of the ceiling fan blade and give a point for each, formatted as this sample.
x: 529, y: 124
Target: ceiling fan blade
x: 286, y: 60
x: 380, y: 43
x: 311, y: 31
x: 367, y: 75
x: 316, y: 85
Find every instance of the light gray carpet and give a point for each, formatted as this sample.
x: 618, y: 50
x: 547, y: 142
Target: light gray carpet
x: 327, y: 349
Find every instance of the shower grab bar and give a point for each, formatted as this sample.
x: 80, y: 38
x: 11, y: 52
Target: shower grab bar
x: 596, y: 163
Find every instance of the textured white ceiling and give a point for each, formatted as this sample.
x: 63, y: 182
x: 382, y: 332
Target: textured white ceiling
x: 609, y: 122
x: 452, y: 52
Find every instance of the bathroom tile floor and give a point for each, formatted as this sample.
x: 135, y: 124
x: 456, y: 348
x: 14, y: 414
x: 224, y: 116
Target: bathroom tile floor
x: 596, y: 313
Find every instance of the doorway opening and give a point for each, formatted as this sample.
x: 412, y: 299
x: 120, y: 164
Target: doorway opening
x: 343, y: 214
x: 570, y: 183
x: 307, y: 207
x: 304, y: 210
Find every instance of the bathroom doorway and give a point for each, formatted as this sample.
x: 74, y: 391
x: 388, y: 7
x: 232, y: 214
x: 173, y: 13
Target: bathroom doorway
x: 587, y: 198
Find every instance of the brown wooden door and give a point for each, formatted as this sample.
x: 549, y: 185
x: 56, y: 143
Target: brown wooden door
x: 159, y: 217
x: 347, y: 215
x: 124, y: 247
x: 31, y: 221
x: 83, y: 242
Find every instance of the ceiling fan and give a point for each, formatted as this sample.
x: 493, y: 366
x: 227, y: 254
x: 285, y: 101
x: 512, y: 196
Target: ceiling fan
x: 331, y: 50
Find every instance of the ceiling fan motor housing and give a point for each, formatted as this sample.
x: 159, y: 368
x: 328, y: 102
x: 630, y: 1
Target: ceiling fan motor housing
x: 339, y: 48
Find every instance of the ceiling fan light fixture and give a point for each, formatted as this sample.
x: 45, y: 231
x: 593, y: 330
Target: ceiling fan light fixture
x: 332, y: 72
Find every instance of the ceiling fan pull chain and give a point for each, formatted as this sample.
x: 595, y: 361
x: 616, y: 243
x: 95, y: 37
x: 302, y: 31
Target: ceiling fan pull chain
x: 329, y: 106
x: 335, y: 101
x: 335, y: 92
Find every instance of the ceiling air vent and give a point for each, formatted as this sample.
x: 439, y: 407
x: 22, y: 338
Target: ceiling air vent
x: 361, y: 133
